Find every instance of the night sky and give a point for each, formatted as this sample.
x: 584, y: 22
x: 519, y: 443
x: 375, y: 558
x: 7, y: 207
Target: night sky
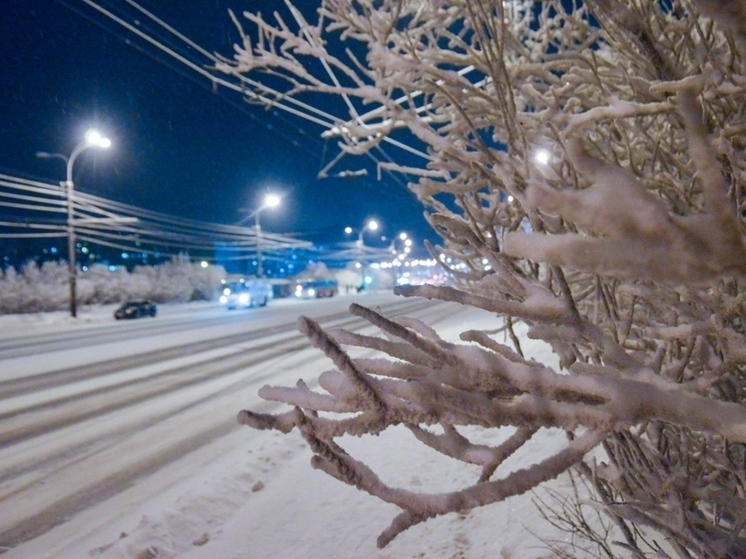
x: 179, y: 147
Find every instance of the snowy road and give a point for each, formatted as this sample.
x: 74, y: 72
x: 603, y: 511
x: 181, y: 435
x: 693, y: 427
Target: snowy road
x: 89, y: 411
x: 118, y: 440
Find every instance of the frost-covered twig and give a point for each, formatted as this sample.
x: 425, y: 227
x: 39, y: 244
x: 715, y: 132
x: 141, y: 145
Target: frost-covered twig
x: 322, y: 341
x: 585, y: 171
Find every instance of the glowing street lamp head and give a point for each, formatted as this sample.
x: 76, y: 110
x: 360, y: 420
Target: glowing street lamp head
x: 372, y: 225
x: 94, y: 138
x: 348, y: 230
x: 403, y: 236
x: 271, y: 201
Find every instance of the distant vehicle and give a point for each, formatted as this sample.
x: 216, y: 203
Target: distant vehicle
x: 316, y: 289
x: 136, y: 309
x: 243, y: 294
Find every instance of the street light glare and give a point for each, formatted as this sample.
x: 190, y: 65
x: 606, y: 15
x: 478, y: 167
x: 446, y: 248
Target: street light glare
x: 373, y: 225
x: 348, y: 230
x: 94, y: 138
x: 271, y: 200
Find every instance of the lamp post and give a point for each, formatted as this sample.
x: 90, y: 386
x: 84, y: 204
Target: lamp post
x: 92, y: 139
x: 371, y: 225
x: 407, y: 246
x: 400, y: 256
x: 270, y: 201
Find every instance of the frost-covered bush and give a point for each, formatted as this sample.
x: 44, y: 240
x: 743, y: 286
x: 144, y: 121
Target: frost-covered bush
x: 35, y: 289
x: 168, y: 282
x: 349, y: 280
x: 45, y: 288
x: 592, y: 154
x: 205, y: 281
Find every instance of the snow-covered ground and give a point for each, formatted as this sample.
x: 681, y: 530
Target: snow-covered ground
x: 251, y: 494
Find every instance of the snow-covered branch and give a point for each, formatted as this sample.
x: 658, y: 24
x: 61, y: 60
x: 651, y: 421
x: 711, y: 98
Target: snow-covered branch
x: 586, y: 174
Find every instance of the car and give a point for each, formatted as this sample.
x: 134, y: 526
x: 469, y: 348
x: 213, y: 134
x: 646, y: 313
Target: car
x: 316, y: 288
x: 246, y: 293
x: 136, y: 309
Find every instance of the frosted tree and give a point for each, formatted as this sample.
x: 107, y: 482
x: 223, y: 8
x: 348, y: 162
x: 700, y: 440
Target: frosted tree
x: 44, y: 288
x: 585, y: 171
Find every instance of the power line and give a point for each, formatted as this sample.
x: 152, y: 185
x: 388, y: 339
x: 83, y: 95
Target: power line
x: 249, y: 88
x: 108, y: 223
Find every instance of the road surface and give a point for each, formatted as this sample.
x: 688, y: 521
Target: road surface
x: 90, y: 411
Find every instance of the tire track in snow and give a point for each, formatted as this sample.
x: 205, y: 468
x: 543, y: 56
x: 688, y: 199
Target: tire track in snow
x: 85, y: 335
x: 42, y: 381
x: 60, y: 412
x: 120, y: 456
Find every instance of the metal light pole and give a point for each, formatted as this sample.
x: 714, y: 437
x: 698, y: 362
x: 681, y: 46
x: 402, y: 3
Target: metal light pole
x: 92, y: 139
x: 371, y: 225
x: 270, y: 201
x: 399, y: 257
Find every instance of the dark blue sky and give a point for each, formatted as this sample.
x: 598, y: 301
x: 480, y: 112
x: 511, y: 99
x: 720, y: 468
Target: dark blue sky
x: 179, y: 147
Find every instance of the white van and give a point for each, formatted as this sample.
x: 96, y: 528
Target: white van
x: 246, y: 293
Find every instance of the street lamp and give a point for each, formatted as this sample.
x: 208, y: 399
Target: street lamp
x: 371, y: 225
x: 270, y: 201
x: 406, y: 246
x: 92, y: 139
x: 400, y: 256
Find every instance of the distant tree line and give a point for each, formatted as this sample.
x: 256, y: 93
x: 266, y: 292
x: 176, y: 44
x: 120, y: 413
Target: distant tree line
x: 43, y: 288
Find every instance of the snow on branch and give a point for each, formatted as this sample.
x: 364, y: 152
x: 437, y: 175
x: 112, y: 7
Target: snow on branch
x: 636, y: 237
x: 320, y: 340
x: 586, y: 171
x: 538, y: 397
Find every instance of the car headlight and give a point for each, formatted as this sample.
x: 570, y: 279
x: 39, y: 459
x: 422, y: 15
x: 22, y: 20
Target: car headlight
x: 243, y: 298
x: 223, y: 299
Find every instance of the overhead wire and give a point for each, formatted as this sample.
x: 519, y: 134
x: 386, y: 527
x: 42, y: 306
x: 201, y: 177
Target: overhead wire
x: 243, y: 106
x: 109, y: 223
x: 251, y: 88
x: 152, y: 225
x: 312, y: 113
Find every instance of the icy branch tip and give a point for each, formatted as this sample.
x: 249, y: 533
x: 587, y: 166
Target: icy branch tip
x: 244, y: 417
x: 315, y: 333
x: 264, y: 421
x: 306, y: 326
x: 405, y: 290
x: 359, y: 310
x: 364, y: 312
